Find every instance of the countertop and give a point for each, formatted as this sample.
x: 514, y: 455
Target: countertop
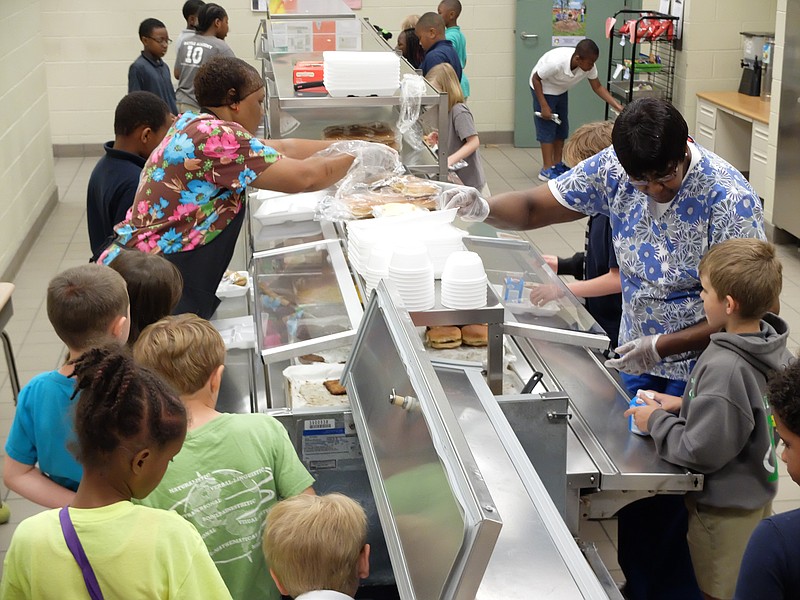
x: 752, y: 107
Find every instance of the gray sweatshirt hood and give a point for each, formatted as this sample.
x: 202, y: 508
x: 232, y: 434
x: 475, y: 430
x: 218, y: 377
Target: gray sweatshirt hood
x: 765, y: 351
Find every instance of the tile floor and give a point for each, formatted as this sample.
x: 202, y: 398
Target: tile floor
x: 64, y: 243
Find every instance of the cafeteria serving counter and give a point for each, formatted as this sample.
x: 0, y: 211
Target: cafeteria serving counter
x: 521, y: 471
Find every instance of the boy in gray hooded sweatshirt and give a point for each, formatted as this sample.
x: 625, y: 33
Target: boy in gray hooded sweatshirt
x: 721, y: 427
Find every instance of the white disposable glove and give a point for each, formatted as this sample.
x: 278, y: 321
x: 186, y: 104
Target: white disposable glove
x: 372, y: 157
x: 638, y: 356
x: 470, y: 205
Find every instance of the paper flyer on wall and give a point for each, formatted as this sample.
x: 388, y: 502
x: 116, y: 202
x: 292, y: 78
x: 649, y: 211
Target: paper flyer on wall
x: 569, y: 22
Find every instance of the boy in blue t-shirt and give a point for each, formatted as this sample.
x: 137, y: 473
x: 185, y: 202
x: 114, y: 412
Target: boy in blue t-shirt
x: 86, y: 305
x: 450, y: 10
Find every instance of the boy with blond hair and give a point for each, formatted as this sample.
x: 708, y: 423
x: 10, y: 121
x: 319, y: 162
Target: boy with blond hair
x: 595, y: 269
x: 86, y: 305
x: 316, y: 547
x: 722, y: 428
x: 232, y: 468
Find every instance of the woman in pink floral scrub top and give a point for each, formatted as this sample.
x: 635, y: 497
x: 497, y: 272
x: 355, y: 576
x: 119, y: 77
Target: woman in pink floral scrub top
x: 188, y: 206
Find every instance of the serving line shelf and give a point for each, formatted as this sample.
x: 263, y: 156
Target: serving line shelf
x: 309, y: 115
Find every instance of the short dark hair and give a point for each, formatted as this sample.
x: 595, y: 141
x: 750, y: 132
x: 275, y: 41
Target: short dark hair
x: 783, y: 391
x: 649, y: 137
x: 224, y: 80
x: 454, y: 5
x: 155, y: 286
x: 586, y: 48
x: 137, y: 109
x: 191, y: 7
x: 207, y: 14
x: 83, y: 301
x: 146, y: 27
x: 431, y: 20
x: 121, y: 402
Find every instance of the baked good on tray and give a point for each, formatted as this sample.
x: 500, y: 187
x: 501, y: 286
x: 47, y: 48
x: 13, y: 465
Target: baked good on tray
x: 405, y: 189
x: 377, y: 132
x: 475, y: 335
x: 443, y: 337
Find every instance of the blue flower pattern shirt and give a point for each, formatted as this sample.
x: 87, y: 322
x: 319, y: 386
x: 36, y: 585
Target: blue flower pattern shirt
x: 659, y: 256
x: 191, y: 186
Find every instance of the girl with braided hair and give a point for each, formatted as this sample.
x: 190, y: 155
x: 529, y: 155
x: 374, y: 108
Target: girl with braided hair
x: 129, y: 426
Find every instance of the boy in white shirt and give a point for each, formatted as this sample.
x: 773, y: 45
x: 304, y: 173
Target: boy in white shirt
x: 556, y: 72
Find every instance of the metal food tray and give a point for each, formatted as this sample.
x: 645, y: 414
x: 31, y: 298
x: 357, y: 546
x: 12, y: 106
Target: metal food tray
x: 305, y: 389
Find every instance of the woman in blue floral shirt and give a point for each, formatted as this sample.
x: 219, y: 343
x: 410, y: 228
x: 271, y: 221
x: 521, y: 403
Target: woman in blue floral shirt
x: 668, y: 201
x: 188, y: 206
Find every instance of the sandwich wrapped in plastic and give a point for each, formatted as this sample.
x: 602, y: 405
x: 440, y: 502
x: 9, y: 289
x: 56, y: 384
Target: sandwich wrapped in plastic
x: 363, y: 201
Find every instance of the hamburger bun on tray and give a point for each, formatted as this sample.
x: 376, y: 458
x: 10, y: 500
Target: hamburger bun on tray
x: 475, y: 335
x: 443, y: 337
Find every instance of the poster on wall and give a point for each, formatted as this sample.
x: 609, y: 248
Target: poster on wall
x: 279, y: 7
x: 569, y: 22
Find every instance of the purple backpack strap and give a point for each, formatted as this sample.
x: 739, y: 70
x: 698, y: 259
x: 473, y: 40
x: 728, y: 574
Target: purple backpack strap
x: 74, y: 545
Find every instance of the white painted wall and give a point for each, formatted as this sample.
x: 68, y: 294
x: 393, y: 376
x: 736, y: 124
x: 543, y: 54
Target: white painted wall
x: 26, y: 160
x: 712, y: 47
x: 89, y: 45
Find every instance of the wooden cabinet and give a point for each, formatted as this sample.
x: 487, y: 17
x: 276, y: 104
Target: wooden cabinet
x: 736, y: 128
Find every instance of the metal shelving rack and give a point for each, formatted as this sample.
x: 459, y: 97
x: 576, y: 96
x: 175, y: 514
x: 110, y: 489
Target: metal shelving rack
x: 645, y: 80
x: 316, y: 113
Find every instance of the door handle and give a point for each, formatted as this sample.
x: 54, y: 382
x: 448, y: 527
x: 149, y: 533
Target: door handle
x: 528, y: 36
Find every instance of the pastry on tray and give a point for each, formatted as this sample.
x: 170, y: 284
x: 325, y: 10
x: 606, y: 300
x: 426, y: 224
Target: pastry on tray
x: 377, y: 132
x: 334, y: 387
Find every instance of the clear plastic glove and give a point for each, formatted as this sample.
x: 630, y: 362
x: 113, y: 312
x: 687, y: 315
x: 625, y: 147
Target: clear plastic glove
x: 638, y: 356
x: 542, y: 294
x: 368, y: 155
x: 470, y: 205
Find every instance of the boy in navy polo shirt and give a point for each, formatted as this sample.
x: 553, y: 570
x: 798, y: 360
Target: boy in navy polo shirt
x: 438, y: 49
x: 140, y: 123
x: 149, y: 73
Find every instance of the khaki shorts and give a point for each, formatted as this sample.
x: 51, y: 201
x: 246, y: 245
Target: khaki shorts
x: 717, y: 538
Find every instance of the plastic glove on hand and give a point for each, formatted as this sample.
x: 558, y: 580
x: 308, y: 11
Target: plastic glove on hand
x: 638, y: 356
x: 369, y: 155
x: 470, y: 205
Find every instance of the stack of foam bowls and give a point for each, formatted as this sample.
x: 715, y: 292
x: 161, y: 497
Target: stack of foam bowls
x: 361, y: 73
x: 411, y: 271
x: 441, y: 240
x: 464, y: 281
x: 377, y: 266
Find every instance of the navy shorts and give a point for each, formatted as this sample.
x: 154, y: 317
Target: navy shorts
x: 548, y: 131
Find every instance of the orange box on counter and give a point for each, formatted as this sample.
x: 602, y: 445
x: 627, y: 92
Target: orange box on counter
x: 306, y: 72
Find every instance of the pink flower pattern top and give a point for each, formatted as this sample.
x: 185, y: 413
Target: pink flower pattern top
x: 191, y: 186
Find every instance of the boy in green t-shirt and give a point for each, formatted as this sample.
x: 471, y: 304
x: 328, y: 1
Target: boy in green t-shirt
x: 450, y: 10
x: 232, y: 468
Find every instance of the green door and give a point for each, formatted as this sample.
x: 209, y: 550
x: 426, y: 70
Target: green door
x: 533, y: 37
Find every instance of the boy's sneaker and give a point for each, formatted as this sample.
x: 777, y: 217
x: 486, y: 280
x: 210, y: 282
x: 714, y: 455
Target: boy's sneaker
x: 547, y: 174
x: 560, y: 168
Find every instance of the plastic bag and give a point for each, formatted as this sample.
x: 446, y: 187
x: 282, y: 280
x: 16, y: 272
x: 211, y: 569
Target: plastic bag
x: 374, y: 163
x: 359, y: 201
x: 412, y: 88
